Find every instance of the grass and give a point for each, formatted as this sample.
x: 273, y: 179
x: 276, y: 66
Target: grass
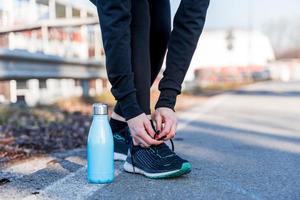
x: 217, y: 88
x: 84, y: 104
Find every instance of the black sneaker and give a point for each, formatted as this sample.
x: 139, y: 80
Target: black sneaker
x: 121, y: 144
x: 156, y: 161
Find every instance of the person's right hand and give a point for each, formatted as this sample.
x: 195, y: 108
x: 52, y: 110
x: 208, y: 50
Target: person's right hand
x: 142, y: 132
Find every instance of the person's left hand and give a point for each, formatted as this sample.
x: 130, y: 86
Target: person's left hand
x: 166, y: 122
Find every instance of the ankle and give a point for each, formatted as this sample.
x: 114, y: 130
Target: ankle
x: 117, y: 125
x: 117, y: 117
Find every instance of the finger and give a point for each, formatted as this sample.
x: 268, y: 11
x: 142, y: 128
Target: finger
x: 149, y: 128
x: 158, y: 121
x: 163, y: 134
x: 172, y: 132
x: 147, y: 139
x: 141, y: 142
x: 135, y: 142
x: 167, y: 128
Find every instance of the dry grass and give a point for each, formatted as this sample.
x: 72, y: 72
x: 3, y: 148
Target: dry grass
x: 218, y: 88
x: 84, y: 104
x: 184, y: 101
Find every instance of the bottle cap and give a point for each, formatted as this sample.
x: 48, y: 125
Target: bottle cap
x: 100, y: 109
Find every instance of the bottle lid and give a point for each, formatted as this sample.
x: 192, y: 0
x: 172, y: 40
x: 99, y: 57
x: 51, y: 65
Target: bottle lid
x: 100, y: 109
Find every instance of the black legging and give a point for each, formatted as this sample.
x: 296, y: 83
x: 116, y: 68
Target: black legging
x: 135, y: 34
x: 150, y: 31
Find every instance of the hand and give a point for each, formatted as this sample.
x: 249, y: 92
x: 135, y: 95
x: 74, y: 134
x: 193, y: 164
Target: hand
x: 167, y: 117
x: 142, y: 132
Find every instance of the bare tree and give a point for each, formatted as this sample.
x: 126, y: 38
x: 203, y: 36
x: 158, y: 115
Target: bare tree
x: 283, y: 34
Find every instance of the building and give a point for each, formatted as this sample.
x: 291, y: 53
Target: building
x: 54, y: 27
x: 41, y: 29
x: 287, y: 66
x: 229, y: 55
x: 20, y: 12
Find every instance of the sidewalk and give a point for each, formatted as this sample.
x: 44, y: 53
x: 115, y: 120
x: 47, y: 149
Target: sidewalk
x: 243, y: 145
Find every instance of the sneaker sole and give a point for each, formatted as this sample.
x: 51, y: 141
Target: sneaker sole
x: 119, y: 156
x: 185, y: 169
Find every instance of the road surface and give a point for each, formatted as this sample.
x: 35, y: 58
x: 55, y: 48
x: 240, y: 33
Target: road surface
x: 242, y: 145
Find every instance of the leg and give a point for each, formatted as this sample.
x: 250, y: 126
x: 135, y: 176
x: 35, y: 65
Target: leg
x: 160, y: 30
x: 140, y: 34
x: 115, y: 19
x: 140, y: 44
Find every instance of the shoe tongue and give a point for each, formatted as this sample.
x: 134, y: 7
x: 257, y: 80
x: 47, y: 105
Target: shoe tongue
x: 163, y: 149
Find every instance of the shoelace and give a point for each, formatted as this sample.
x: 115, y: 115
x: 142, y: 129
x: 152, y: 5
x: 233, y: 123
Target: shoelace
x: 158, y: 132
x: 132, y: 150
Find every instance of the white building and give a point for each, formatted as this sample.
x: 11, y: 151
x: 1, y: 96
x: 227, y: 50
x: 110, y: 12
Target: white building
x: 61, y: 28
x: 20, y: 12
x: 55, y: 27
x: 223, y: 50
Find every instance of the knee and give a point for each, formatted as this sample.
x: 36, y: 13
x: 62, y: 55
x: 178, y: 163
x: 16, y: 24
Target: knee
x: 161, y: 31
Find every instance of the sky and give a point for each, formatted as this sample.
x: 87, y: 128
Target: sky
x: 235, y: 13
x: 245, y: 13
x: 278, y: 19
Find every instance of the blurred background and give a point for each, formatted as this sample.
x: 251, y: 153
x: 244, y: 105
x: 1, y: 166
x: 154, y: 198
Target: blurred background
x: 52, y: 64
x: 51, y: 49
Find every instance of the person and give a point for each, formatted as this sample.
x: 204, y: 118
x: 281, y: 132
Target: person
x: 136, y: 35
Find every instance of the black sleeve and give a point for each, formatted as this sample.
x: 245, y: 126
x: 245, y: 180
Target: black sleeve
x: 187, y: 28
x: 115, y: 19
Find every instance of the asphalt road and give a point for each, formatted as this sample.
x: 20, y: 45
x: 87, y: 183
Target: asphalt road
x: 242, y: 145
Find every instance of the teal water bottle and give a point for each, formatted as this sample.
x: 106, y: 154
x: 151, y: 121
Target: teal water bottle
x: 100, y: 147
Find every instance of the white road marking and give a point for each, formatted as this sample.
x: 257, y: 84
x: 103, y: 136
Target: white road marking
x: 192, y: 114
x: 73, y: 186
